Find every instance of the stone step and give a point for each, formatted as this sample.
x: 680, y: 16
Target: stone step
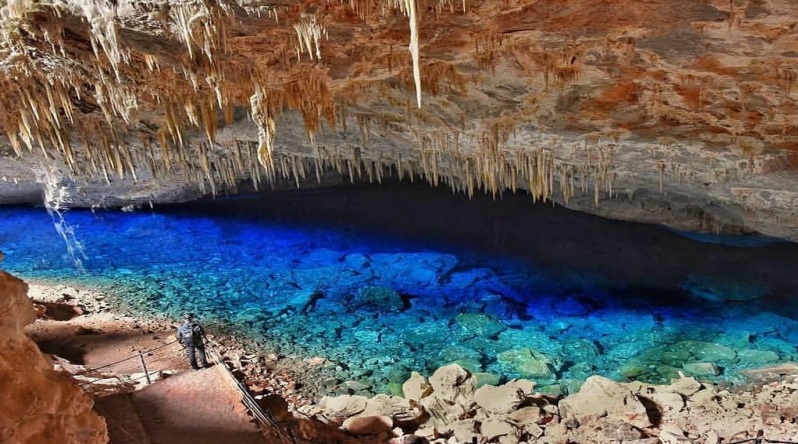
x: 122, y: 419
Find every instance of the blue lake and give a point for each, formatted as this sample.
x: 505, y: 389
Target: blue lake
x: 383, y: 281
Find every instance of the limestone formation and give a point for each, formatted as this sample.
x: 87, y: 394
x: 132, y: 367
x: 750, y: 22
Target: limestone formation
x: 680, y: 112
x: 602, y: 411
x: 39, y: 405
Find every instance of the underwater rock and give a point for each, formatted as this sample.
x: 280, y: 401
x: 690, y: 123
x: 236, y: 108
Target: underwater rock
x: 691, y: 351
x: 701, y: 369
x: 756, y: 357
x: 724, y: 288
x: 480, y: 324
x: 378, y: 299
x: 356, y: 261
x: 323, y: 256
x: 528, y: 337
x: 529, y: 363
x: 571, y: 306
x: 580, y: 350
x: 465, y: 279
x: 484, y: 378
x: 601, y: 397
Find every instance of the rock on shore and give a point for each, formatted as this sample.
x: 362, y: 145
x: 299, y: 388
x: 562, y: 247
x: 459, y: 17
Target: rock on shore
x: 449, y: 408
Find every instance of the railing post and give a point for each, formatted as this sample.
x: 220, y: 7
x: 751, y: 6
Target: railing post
x: 144, y: 366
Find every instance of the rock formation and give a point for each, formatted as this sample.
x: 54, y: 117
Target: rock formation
x: 673, y: 111
x: 448, y: 409
x: 39, y: 405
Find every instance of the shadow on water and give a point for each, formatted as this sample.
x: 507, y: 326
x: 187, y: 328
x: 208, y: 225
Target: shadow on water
x: 572, y: 247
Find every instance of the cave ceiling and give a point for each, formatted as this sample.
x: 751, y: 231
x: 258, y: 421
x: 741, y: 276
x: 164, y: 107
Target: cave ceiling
x: 603, y: 105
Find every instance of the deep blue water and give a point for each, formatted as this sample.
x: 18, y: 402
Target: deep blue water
x: 400, y: 278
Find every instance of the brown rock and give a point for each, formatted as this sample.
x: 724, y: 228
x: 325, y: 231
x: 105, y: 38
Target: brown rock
x: 38, y: 405
x: 771, y: 372
x: 368, y: 425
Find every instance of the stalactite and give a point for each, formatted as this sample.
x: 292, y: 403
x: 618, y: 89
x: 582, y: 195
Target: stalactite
x: 309, y: 31
x: 264, y: 119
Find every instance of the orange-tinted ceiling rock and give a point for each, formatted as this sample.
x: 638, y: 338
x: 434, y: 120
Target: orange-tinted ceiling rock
x: 563, y: 99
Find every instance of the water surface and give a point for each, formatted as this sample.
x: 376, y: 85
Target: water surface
x: 382, y: 281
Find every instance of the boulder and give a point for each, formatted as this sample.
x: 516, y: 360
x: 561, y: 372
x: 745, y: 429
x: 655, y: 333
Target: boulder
x: 667, y: 402
x: 600, y: 398
x: 498, y: 428
x: 502, y: 399
x: 416, y: 387
x: 701, y: 369
x: 465, y: 431
x: 525, y: 415
x: 505, y: 398
x: 452, y: 383
x: 757, y: 357
x: 486, y: 378
x: 368, y: 425
x: 480, y: 324
x: 616, y: 430
x: 529, y: 363
x: 378, y: 298
x: 684, y: 386
x: 771, y: 373
x: 343, y: 406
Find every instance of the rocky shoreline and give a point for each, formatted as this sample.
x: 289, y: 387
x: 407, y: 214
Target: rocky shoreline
x: 454, y: 406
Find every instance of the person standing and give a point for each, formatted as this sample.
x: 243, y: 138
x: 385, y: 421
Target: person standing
x: 191, y: 336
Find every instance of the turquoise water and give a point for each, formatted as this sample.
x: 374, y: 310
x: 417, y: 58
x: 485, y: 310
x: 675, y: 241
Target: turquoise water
x: 385, y: 281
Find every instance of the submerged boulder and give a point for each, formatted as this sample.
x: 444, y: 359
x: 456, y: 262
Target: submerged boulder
x: 529, y: 363
x: 378, y: 299
x: 480, y: 324
x: 724, y: 288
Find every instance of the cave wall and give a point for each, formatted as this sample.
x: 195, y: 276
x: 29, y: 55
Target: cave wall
x: 39, y: 405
